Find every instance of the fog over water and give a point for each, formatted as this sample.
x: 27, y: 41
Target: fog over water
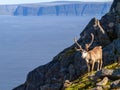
x: 28, y: 42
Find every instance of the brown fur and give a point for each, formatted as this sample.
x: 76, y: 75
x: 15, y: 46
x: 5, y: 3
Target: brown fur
x: 94, y: 55
x: 91, y: 56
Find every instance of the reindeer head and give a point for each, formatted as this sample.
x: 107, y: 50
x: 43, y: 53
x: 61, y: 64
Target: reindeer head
x: 83, y: 51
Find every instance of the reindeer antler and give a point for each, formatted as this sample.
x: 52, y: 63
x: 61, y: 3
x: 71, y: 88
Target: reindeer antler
x: 101, y: 28
x: 80, y: 48
x: 88, y: 45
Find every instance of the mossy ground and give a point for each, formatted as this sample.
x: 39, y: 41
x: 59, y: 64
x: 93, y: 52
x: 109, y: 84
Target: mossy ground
x: 82, y: 83
x: 85, y: 83
x: 69, y: 52
x: 113, y: 66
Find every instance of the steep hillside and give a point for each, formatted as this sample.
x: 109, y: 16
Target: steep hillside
x: 56, y: 9
x: 68, y: 64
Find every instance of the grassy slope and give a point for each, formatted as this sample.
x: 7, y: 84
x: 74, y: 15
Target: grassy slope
x: 84, y: 83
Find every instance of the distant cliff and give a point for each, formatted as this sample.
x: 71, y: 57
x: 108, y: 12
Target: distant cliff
x: 56, y: 9
x: 7, y: 9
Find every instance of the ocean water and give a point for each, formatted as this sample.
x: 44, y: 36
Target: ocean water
x: 28, y: 42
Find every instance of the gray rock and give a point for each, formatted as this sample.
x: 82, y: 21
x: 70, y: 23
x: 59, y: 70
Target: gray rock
x: 71, y: 71
x: 111, y: 74
x: 114, y: 8
x: 118, y: 8
x: 118, y: 30
x: 111, y: 52
x: 103, y: 82
x: 104, y: 72
x: 115, y: 84
x: 67, y: 83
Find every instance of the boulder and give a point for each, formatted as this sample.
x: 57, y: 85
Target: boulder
x: 67, y: 83
x: 111, y: 74
x: 111, y: 52
x: 115, y: 84
x: 103, y: 82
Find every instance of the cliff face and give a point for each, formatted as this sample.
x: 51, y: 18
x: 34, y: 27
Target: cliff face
x: 7, y: 9
x: 57, y: 9
x: 68, y: 64
x: 65, y: 9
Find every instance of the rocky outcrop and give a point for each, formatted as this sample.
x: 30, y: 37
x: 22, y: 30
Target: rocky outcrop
x: 103, y: 82
x: 68, y: 64
x: 111, y: 52
x: 99, y: 80
x: 67, y: 83
x: 115, y: 84
x: 63, y: 8
x: 112, y: 74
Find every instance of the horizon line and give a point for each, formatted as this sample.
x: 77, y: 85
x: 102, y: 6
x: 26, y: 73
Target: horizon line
x: 53, y: 2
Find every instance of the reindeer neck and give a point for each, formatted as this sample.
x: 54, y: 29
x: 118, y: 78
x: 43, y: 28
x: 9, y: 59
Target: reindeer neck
x: 87, y: 56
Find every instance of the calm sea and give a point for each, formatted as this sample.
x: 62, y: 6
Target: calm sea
x: 28, y: 42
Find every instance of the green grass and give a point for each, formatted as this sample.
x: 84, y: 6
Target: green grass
x: 112, y: 66
x: 84, y: 83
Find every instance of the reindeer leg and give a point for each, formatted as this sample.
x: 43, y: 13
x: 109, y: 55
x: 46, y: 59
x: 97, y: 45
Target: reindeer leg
x: 88, y: 67
x: 101, y: 62
x: 98, y: 66
x: 93, y: 65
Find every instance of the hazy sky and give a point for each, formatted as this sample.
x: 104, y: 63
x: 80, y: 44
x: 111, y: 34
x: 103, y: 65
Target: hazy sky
x: 35, y: 1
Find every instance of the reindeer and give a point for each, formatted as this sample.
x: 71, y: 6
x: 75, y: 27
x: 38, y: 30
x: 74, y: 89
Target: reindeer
x: 91, y: 56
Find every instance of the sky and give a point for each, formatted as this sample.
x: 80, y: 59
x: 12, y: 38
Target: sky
x: 37, y: 1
